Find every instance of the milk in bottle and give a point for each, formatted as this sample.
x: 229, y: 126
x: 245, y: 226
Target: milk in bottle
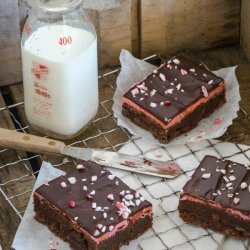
x: 60, y: 79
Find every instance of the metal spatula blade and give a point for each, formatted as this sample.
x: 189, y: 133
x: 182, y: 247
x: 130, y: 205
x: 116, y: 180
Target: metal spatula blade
x: 138, y: 164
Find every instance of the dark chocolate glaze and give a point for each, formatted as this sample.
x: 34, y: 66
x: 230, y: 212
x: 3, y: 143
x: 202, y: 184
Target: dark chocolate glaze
x: 83, y: 212
x: 207, y: 188
x: 175, y: 73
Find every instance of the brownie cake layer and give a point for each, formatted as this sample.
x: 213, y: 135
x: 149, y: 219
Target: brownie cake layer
x: 188, y: 122
x: 218, y: 197
x: 168, y: 97
x: 67, y: 230
x: 203, y: 214
x: 92, y: 209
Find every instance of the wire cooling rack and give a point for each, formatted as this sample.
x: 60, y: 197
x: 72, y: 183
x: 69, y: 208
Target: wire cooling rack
x: 168, y: 231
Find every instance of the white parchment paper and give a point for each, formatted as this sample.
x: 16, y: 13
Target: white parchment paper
x: 134, y: 70
x: 32, y: 234
x: 36, y: 236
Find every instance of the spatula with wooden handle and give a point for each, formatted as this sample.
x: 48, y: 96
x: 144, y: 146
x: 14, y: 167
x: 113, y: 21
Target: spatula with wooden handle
x: 139, y: 164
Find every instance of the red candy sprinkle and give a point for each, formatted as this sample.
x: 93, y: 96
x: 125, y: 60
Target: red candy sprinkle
x: 120, y: 206
x: 72, y: 204
x: 167, y: 103
x: 217, y: 121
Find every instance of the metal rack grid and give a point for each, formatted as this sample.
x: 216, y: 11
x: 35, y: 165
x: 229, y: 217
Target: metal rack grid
x: 166, y: 221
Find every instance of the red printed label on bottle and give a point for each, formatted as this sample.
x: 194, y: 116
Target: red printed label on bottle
x: 40, y: 71
x: 27, y: 29
x: 65, y: 40
x: 42, y: 97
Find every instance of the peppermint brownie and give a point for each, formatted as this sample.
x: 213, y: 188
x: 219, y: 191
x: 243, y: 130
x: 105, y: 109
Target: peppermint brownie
x: 92, y: 209
x: 174, y: 98
x: 218, y: 197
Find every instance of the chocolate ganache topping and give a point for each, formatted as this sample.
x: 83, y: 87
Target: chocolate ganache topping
x: 93, y: 198
x: 173, y: 87
x: 222, y: 181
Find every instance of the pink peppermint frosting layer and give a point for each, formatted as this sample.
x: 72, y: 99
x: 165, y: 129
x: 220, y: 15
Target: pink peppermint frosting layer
x: 177, y: 119
x: 120, y: 226
x: 230, y: 211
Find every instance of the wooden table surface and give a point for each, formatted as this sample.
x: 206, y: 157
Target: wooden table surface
x: 17, y: 168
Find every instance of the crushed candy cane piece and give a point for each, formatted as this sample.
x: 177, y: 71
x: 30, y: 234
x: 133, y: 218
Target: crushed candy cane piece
x: 96, y: 233
x: 135, y: 92
x: 163, y: 78
x: 111, y: 177
x: 243, y: 185
x: 206, y: 176
x: 176, y: 61
x: 153, y: 104
x: 80, y: 167
x: 204, y: 91
x: 72, y: 180
x: 63, y: 184
x: 183, y: 72
x: 110, y: 197
x: 94, y: 178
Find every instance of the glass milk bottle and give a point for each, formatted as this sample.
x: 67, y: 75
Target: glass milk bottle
x: 59, y: 60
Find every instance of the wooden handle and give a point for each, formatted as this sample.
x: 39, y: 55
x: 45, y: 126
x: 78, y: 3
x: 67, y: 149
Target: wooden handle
x: 16, y: 140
